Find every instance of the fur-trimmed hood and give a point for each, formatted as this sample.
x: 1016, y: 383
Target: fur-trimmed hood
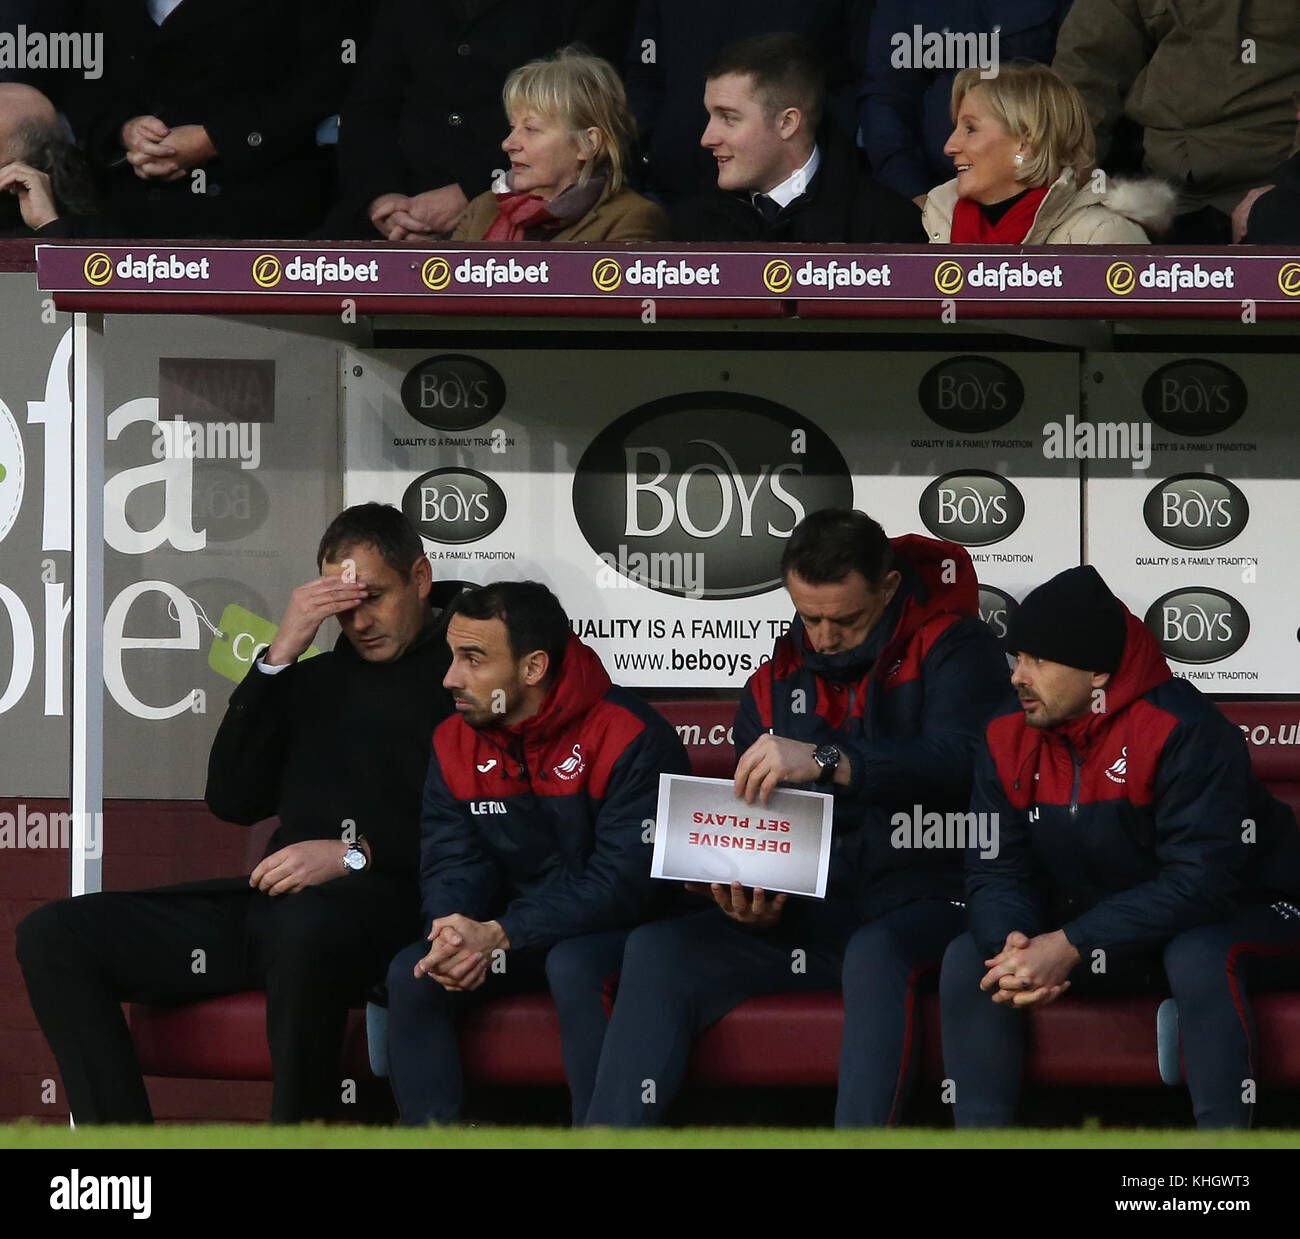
x: 1126, y: 212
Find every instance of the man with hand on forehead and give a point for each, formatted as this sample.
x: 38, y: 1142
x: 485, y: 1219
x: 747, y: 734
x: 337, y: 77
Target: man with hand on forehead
x: 1136, y: 851
x: 337, y: 747
x: 876, y: 695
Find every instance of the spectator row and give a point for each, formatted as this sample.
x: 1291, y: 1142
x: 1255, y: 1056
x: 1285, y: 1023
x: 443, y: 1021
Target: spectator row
x: 833, y: 120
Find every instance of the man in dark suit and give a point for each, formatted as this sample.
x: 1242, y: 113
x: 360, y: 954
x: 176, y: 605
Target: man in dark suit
x: 780, y: 177
x: 336, y: 745
x: 204, y: 121
x: 421, y: 131
x: 673, y: 42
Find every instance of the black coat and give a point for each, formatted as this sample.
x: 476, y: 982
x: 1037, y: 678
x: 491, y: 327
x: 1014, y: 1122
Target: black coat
x: 65, y: 228
x: 1275, y: 216
x: 425, y: 110
x: 335, y: 737
x: 260, y: 75
x: 843, y: 203
x: 667, y: 92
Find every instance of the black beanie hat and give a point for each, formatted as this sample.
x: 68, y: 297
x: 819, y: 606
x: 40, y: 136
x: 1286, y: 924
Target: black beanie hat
x: 1072, y: 619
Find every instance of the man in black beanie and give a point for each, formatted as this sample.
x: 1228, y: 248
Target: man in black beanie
x: 1135, y: 851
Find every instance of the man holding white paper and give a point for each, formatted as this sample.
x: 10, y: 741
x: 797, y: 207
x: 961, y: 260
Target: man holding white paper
x: 877, y: 695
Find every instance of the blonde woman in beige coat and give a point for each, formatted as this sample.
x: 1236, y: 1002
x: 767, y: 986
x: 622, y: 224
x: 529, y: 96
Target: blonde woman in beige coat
x: 1023, y: 150
x: 570, y: 132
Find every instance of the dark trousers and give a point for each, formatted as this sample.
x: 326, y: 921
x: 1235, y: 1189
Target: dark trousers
x: 423, y: 1055
x: 1208, y: 970
x: 681, y: 976
x: 313, y: 952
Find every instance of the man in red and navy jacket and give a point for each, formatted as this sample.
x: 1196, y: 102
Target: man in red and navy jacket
x: 1134, y: 848
x: 877, y: 694
x: 537, y: 826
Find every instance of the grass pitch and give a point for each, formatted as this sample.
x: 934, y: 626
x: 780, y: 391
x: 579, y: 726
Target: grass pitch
x: 31, y: 1135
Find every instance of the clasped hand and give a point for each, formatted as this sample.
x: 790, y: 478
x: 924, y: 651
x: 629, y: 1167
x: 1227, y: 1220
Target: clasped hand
x: 460, y: 952
x: 1030, y: 972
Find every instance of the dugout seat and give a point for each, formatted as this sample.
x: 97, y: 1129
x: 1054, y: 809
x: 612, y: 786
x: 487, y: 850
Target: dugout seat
x: 781, y: 1040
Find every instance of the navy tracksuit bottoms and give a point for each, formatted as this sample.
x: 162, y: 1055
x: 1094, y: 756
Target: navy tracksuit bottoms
x: 1210, y: 972
x: 423, y: 1055
x: 680, y: 976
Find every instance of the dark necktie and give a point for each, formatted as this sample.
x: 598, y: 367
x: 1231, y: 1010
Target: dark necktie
x: 767, y: 208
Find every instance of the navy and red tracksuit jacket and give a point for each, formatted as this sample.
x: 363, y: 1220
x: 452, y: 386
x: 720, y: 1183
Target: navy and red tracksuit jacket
x: 1128, y: 825
x: 907, y: 707
x: 544, y: 827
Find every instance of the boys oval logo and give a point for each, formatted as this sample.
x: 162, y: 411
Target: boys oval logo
x: 705, y: 488
x: 970, y: 394
x: 1196, y: 511
x: 972, y: 507
x: 1198, y: 625
x: 1194, y: 396
x: 996, y: 609
x: 454, y: 505
x: 453, y: 392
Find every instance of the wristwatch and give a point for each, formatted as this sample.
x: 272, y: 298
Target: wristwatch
x: 827, y: 756
x: 354, y: 859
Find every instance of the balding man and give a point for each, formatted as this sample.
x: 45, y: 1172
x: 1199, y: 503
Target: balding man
x: 45, y: 187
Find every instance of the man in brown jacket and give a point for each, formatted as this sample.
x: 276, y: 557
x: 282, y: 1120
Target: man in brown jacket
x: 1209, y: 86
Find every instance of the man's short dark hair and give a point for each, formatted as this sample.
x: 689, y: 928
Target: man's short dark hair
x: 786, y: 70
x: 533, y: 616
x: 827, y: 545
x: 379, y: 524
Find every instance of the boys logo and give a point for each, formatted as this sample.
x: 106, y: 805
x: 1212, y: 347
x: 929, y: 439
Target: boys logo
x: 973, y: 508
x: 1196, y: 511
x: 1198, y: 625
x: 1194, y: 396
x: 715, y: 475
x: 453, y: 392
x: 454, y: 505
x: 996, y: 609
x: 971, y: 394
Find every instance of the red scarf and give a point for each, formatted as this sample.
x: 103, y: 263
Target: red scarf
x: 515, y: 214
x: 971, y: 227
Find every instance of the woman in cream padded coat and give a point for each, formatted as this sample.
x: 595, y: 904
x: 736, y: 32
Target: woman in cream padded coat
x: 1023, y: 150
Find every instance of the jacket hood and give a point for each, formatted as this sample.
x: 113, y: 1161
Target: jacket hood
x: 938, y: 578
x: 947, y: 575
x: 581, y: 683
x: 1148, y: 203
x: 1141, y: 668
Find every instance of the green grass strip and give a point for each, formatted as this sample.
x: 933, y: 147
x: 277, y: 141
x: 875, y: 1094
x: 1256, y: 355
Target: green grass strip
x: 32, y: 1135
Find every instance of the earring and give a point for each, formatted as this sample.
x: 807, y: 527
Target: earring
x: 1020, y: 159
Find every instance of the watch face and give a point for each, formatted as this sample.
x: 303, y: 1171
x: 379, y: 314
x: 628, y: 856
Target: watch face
x: 354, y: 858
x: 827, y: 756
